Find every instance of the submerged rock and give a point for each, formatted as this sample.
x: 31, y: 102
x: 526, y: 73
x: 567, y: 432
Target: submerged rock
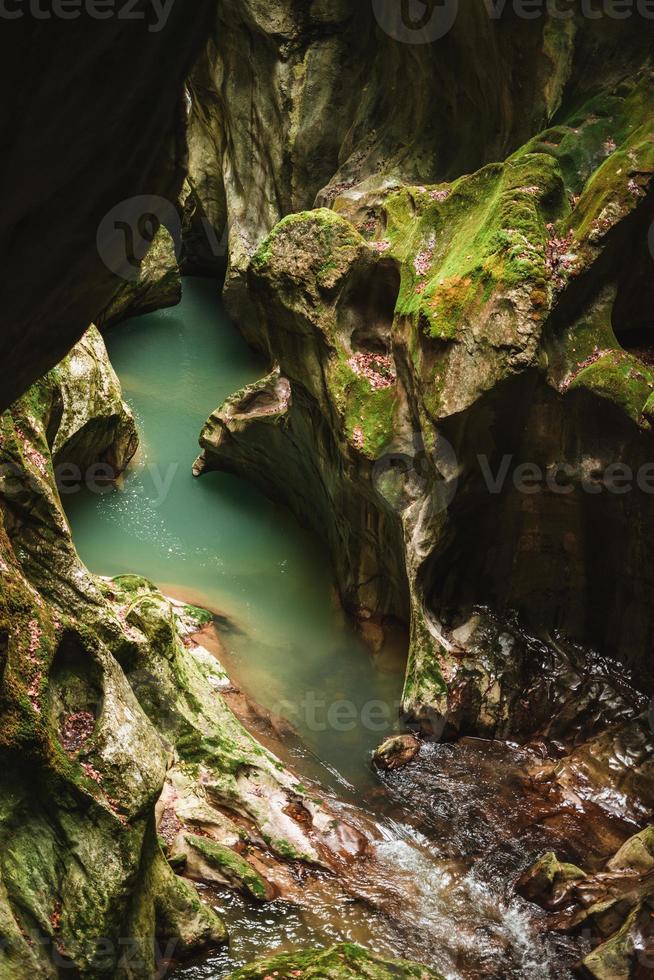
x: 344, y: 962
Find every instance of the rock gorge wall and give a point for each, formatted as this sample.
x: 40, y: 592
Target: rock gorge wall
x: 458, y: 324
x: 474, y: 279
x: 429, y: 317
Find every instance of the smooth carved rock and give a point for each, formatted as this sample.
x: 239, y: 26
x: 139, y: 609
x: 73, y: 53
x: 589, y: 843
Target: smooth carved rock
x: 158, y: 286
x: 439, y: 345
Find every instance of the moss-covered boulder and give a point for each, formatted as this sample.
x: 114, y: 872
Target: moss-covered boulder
x: 548, y: 878
x: 614, y: 906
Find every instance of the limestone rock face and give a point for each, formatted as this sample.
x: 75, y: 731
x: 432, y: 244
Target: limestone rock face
x: 455, y: 386
x: 94, y: 423
x: 158, y: 286
x: 460, y: 366
x: 295, y: 104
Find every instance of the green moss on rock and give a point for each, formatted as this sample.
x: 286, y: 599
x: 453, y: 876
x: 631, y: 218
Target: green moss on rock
x: 344, y: 962
x: 231, y: 866
x: 620, y: 378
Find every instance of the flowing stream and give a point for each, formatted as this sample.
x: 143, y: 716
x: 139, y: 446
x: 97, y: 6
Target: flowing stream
x: 453, y: 831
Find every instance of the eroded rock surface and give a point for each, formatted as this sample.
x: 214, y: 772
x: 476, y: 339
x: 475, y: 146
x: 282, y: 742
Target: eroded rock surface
x: 159, y: 283
x: 430, y: 339
x: 460, y: 361
x: 614, y: 906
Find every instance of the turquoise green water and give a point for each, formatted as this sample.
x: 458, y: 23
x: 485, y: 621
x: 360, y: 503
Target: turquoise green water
x: 220, y: 543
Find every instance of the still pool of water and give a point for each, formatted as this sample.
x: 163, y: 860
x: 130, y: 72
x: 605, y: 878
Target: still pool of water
x: 450, y: 826
x: 218, y: 542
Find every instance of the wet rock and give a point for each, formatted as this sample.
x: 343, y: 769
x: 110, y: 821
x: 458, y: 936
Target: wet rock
x: 344, y: 962
x: 208, y: 861
x: 546, y: 879
x: 397, y: 752
x: 628, y: 954
x: 636, y: 854
x: 614, y: 906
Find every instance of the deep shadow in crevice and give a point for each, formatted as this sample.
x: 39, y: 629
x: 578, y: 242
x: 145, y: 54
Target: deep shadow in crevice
x: 633, y: 311
x: 367, y: 308
x: 627, y: 260
x: 76, y: 681
x: 4, y: 651
x: 580, y: 560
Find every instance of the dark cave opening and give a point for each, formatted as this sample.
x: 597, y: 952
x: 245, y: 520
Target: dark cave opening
x: 559, y: 552
x: 633, y: 311
x: 368, y: 307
